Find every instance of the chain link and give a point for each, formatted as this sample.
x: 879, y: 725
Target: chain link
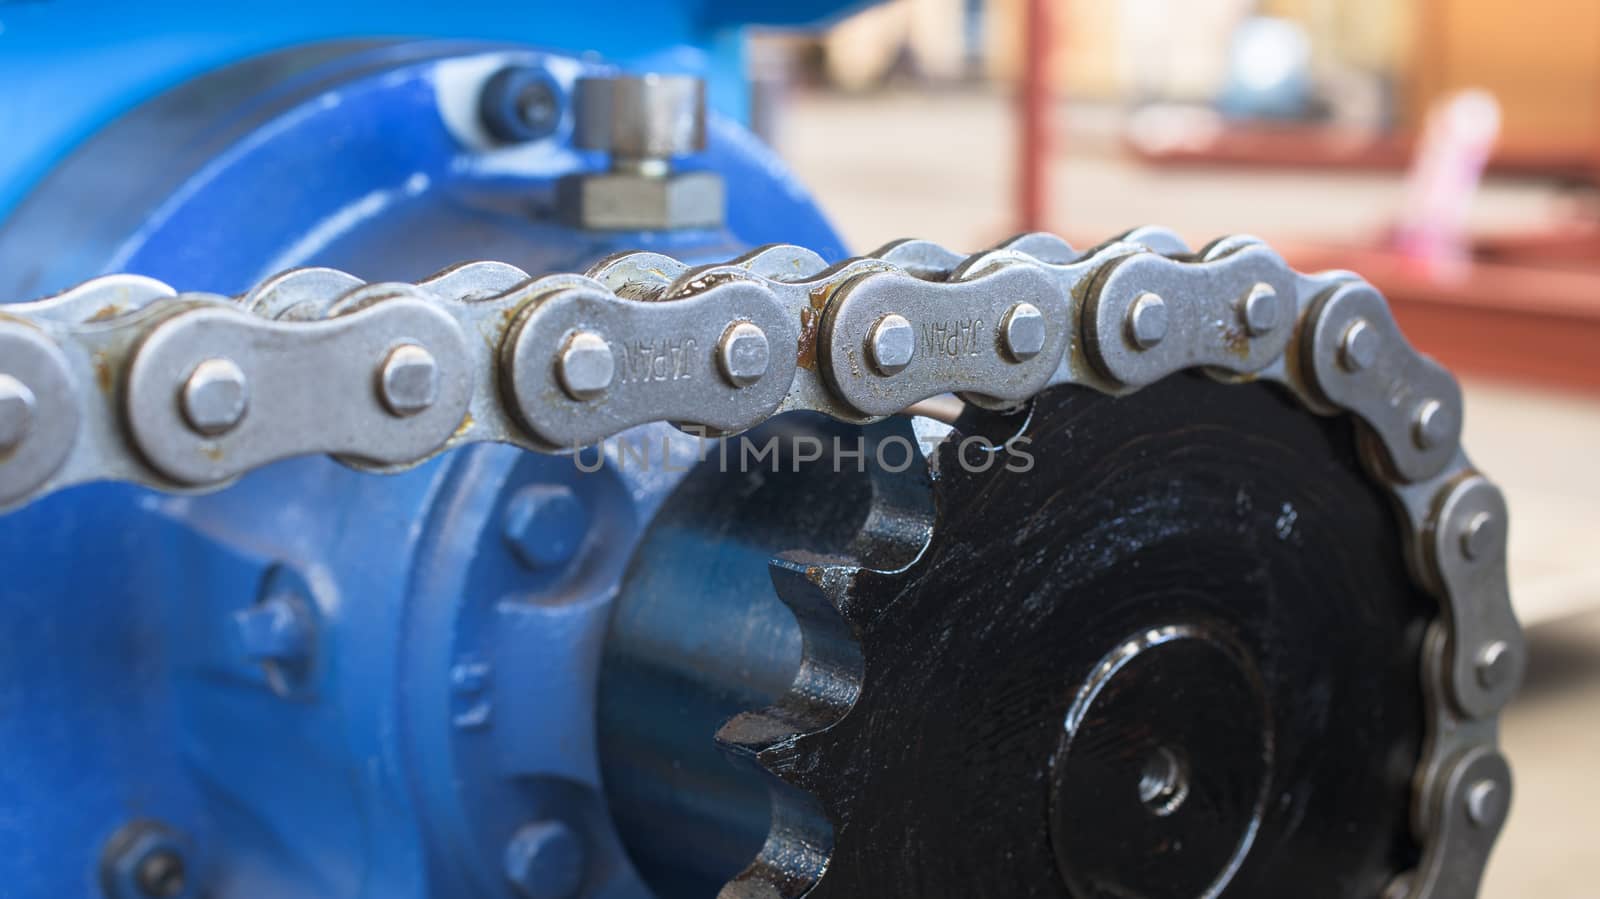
x: 122, y: 378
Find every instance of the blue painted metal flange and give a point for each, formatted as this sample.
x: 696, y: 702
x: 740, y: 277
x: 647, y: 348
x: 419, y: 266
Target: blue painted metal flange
x: 330, y: 684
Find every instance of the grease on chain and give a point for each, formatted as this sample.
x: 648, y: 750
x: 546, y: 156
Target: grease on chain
x: 121, y: 378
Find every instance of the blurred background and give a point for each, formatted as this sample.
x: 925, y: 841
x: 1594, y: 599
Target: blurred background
x: 1449, y: 150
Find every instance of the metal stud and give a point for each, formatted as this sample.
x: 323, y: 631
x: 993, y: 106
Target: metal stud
x: 17, y: 404
x: 743, y: 354
x: 891, y: 344
x: 147, y: 860
x: 216, y: 397
x: 1023, y: 332
x: 546, y: 525
x: 545, y: 860
x: 1495, y: 664
x: 1259, y: 309
x: 586, y: 366
x: 1486, y: 803
x: 1478, y: 537
x: 409, y: 380
x: 1432, y: 426
x: 1147, y: 321
x: 1358, y: 349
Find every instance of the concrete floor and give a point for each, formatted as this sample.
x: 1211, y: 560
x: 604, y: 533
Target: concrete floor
x: 939, y: 167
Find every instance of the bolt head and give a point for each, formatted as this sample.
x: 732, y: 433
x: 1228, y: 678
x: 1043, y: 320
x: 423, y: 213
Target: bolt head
x: 586, y: 366
x: 1023, y: 332
x: 1259, y: 309
x: 538, y: 108
x: 216, y: 397
x: 161, y: 875
x: 891, y: 343
x: 545, y: 860
x: 546, y: 525
x: 1147, y: 321
x: 277, y: 629
x: 409, y: 380
x: 1496, y: 665
x: 519, y: 104
x: 1358, y: 348
x: 1479, y: 536
x: 743, y: 354
x: 1432, y: 426
x: 17, y: 404
x: 1487, y: 803
x: 146, y: 860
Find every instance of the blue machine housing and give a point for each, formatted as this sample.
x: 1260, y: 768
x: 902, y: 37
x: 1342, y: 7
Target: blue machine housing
x: 318, y: 682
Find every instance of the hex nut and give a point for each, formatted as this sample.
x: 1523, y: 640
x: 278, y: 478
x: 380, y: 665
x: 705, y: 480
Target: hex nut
x: 630, y: 201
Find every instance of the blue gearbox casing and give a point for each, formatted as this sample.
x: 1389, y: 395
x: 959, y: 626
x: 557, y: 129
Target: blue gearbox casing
x: 318, y: 682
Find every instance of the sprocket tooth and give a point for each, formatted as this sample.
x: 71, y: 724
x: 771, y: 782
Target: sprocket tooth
x: 817, y: 590
x: 778, y: 740
x: 795, y: 854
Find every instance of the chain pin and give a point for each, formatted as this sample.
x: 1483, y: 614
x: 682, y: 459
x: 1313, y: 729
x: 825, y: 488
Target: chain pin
x: 1495, y: 664
x: 1478, y: 537
x: 1358, y: 349
x: 1147, y: 321
x: 1259, y: 309
x: 1023, y: 332
x: 216, y: 397
x: 409, y: 381
x: 743, y: 354
x: 891, y: 344
x: 17, y: 404
x: 1486, y: 803
x: 1432, y: 426
x: 586, y: 366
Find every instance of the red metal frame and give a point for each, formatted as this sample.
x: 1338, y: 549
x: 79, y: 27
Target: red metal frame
x: 1035, y: 141
x: 1503, y: 319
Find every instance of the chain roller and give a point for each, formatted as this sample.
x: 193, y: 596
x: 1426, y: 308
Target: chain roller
x: 120, y: 378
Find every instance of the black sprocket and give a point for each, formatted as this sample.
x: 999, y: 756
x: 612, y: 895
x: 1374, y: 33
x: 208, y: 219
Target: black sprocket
x: 1176, y: 658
